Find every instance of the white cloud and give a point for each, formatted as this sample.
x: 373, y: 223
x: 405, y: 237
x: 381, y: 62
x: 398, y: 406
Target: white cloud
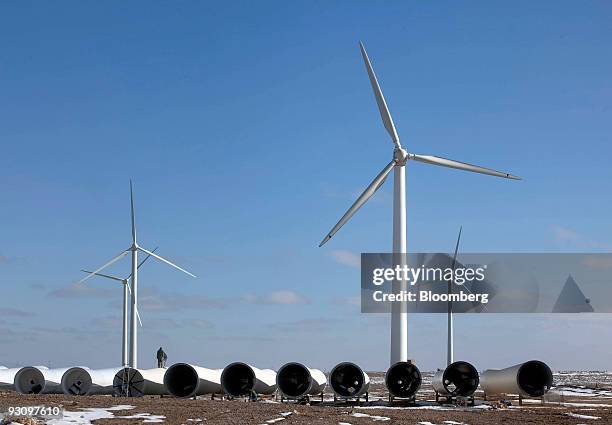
x: 153, y: 299
x: 346, y: 258
x: 563, y: 234
x: 9, y: 311
x: 281, y: 297
x: 572, y: 239
x: 319, y: 324
x: 81, y: 290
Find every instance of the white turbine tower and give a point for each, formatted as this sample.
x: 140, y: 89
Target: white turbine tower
x: 134, y: 250
x: 399, y: 317
x: 126, y: 290
x: 450, y: 343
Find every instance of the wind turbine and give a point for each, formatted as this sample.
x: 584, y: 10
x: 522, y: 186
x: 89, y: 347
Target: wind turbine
x: 399, y: 317
x: 134, y: 248
x: 126, y: 289
x: 450, y: 349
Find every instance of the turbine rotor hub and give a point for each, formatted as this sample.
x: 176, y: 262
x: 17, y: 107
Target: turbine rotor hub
x: 401, y: 156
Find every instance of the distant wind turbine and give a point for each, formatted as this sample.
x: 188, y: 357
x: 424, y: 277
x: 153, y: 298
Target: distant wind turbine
x: 126, y: 289
x: 399, y: 317
x: 134, y: 250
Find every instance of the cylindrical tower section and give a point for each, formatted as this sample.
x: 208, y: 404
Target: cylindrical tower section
x: 240, y: 379
x: 184, y: 380
x: 530, y: 379
x: 129, y: 382
x: 29, y: 380
x: 7, y: 378
x: 76, y: 381
x: 403, y: 379
x: 348, y: 380
x: 85, y: 381
x: 294, y: 380
x: 459, y: 379
x: 39, y: 380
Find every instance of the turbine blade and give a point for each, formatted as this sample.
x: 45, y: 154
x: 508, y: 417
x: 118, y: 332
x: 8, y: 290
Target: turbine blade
x: 141, y: 263
x: 103, y: 275
x: 117, y: 258
x: 133, y: 216
x: 436, y: 160
x: 127, y: 283
x: 363, y: 198
x: 165, y: 261
x: 456, y: 248
x: 380, y: 99
x: 138, y: 315
x: 146, y: 258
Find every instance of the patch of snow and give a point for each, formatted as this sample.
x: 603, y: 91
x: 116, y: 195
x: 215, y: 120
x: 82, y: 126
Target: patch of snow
x: 565, y: 403
x: 482, y: 406
x: 373, y: 417
x: 120, y: 407
x: 576, y: 415
x: 85, y: 416
x: 432, y: 406
x: 82, y: 417
x: 147, y: 417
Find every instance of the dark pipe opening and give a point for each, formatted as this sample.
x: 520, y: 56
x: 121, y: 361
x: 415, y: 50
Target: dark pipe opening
x: 294, y: 380
x: 238, y: 379
x: 535, y: 378
x: 128, y: 382
x: 403, y: 379
x: 461, y: 379
x: 181, y: 380
x: 347, y: 379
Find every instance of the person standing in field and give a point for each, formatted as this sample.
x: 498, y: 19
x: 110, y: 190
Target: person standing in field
x: 161, y: 357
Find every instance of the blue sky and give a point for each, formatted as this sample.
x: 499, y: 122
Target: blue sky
x: 249, y: 128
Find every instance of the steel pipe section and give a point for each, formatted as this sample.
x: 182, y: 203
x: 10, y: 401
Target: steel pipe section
x: 458, y: 379
x: 294, y: 381
x: 184, y: 380
x: 403, y: 379
x: 348, y: 380
x: 129, y: 382
x: 530, y: 379
x: 240, y: 379
x: 7, y: 378
x: 39, y: 380
x: 85, y: 381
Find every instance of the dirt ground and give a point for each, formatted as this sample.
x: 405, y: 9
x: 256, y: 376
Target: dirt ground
x: 569, y: 405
